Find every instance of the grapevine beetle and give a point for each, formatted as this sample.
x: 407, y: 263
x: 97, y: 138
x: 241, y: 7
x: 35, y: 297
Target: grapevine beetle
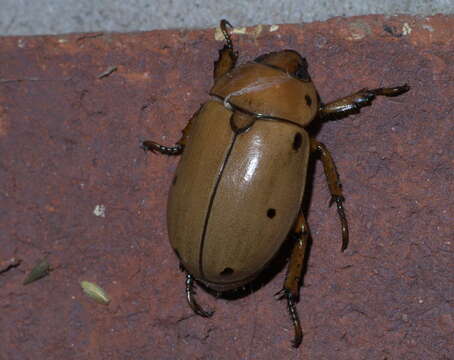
x: 239, y: 185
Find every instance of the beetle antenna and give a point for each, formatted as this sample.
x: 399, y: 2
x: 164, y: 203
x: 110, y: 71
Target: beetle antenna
x: 191, y: 301
x: 224, y: 24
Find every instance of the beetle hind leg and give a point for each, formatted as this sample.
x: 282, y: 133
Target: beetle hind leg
x: 191, y: 301
x: 351, y: 104
x: 292, y: 282
x: 227, y: 56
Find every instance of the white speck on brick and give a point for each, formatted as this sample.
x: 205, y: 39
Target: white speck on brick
x: 406, y: 29
x: 100, y: 210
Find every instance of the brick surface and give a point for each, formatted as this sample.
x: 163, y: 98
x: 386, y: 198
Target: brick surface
x: 76, y: 187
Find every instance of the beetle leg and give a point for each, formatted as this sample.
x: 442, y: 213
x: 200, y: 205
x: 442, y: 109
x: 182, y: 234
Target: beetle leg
x: 191, y: 301
x: 351, y: 104
x: 294, y: 273
x: 165, y: 150
x: 227, y: 57
x: 334, y: 186
x: 178, y: 148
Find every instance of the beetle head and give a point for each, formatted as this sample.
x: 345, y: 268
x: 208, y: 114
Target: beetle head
x: 287, y: 60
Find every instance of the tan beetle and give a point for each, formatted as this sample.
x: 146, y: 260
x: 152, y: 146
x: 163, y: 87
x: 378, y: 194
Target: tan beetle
x: 239, y: 186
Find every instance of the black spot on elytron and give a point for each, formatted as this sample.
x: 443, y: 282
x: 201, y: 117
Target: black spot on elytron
x: 227, y: 271
x: 174, y: 181
x: 297, y: 141
x: 308, y: 100
x: 271, y: 213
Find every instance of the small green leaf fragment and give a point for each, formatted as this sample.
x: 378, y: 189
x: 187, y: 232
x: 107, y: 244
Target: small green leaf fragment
x: 95, y: 292
x: 41, y: 269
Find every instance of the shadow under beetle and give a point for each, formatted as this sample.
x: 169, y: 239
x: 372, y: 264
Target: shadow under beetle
x: 239, y: 185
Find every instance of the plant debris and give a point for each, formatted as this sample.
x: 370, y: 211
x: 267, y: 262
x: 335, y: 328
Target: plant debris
x: 41, y: 269
x: 95, y: 292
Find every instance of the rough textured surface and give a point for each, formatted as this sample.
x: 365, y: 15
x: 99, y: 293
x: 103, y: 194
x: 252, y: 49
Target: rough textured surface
x: 75, y: 187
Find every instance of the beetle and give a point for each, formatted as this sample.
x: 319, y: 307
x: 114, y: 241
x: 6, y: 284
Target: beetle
x: 238, y: 188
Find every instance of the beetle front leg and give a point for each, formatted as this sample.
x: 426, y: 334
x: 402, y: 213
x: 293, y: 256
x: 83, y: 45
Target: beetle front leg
x: 334, y: 186
x: 351, y: 104
x: 190, y: 298
x: 227, y: 57
x: 294, y: 273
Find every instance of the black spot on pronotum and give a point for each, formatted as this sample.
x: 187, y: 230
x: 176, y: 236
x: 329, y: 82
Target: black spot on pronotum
x: 178, y: 254
x: 271, y: 213
x: 297, y: 141
x: 308, y: 100
x: 227, y: 271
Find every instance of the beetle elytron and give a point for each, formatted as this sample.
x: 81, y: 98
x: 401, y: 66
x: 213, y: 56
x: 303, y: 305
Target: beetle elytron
x: 238, y: 188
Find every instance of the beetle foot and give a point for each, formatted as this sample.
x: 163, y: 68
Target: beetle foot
x: 340, y: 210
x: 394, y: 91
x: 344, y: 224
x: 165, y: 150
x: 192, y: 302
x: 291, y: 306
x: 223, y: 26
